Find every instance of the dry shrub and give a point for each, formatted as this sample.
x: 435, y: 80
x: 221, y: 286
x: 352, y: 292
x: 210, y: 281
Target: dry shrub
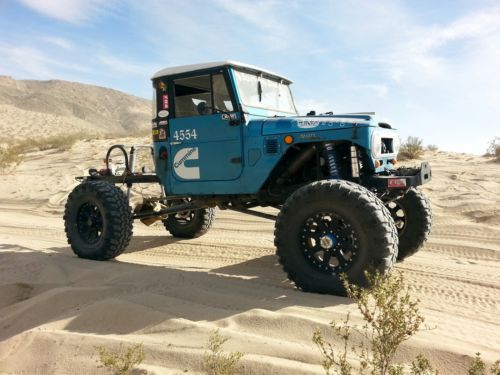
x: 12, y: 151
x: 9, y: 158
x: 411, y: 149
x: 494, y: 148
x: 433, y: 148
x: 122, y: 361
x: 61, y: 142
x: 391, y: 317
x: 215, y: 361
x: 478, y: 367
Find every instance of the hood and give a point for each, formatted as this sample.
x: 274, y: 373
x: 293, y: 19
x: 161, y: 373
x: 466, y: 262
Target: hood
x: 299, y: 124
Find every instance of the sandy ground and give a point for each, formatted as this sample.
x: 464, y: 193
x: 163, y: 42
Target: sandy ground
x: 170, y: 294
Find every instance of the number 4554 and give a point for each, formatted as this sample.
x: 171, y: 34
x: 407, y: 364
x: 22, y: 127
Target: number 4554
x: 185, y: 134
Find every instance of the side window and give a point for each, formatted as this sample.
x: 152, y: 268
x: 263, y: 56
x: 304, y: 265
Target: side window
x: 189, y: 92
x: 209, y: 89
x: 222, y: 99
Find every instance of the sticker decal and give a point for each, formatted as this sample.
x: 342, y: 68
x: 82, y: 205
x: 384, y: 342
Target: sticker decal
x: 162, y: 135
x: 337, y: 121
x: 165, y: 101
x: 308, y: 136
x: 304, y: 124
x: 164, y: 122
x: 180, y: 158
x: 163, y: 113
x: 225, y: 116
x: 154, y: 124
x: 155, y: 132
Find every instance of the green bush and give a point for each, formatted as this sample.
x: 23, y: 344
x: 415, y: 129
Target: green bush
x: 391, y: 317
x: 215, y: 361
x: 122, y: 361
x: 494, y: 148
x: 411, y: 149
x: 9, y: 158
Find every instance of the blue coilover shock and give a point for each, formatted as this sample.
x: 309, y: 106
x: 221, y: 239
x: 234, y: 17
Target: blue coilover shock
x: 330, y: 156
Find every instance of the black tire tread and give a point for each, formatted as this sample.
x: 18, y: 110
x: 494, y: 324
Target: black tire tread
x: 419, y: 208
x: 117, y: 213
x: 366, y: 203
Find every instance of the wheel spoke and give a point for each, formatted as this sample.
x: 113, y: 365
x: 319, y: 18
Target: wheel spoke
x: 329, y: 242
x: 89, y: 222
x: 398, y: 215
x: 327, y: 255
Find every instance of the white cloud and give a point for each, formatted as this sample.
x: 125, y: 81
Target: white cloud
x: 33, y: 63
x: 58, y: 41
x: 121, y: 65
x: 72, y: 11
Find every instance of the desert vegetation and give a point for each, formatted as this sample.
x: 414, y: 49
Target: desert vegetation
x: 122, y: 361
x: 216, y: 361
x: 391, y: 316
x: 494, y: 148
x: 412, y: 148
x: 12, y: 151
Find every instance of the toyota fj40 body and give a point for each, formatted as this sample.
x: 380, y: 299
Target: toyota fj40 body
x: 228, y: 135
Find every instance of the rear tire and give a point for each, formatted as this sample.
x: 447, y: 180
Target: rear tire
x: 190, y: 224
x: 412, y: 215
x: 97, y: 220
x: 332, y: 227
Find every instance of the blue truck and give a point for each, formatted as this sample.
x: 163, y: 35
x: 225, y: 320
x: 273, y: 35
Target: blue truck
x: 227, y: 135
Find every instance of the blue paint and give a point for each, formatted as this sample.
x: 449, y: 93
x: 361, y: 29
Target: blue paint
x: 232, y: 159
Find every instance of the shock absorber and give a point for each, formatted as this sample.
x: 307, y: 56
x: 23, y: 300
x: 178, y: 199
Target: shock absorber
x: 330, y: 156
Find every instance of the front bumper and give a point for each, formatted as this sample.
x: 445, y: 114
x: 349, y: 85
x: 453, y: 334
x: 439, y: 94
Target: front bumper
x: 401, y: 178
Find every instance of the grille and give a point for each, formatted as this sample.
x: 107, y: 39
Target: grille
x: 271, y: 146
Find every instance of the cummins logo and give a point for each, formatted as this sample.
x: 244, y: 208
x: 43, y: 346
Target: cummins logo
x: 180, y: 169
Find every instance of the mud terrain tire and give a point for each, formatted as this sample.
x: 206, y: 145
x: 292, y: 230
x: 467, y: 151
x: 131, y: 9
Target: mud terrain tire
x: 334, y: 219
x: 417, y: 216
x: 190, y: 224
x: 97, y: 220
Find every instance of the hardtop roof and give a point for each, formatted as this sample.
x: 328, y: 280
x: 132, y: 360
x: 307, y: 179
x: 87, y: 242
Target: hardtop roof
x: 215, y: 64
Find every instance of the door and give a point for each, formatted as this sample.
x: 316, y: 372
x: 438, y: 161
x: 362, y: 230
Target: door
x: 205, y: 133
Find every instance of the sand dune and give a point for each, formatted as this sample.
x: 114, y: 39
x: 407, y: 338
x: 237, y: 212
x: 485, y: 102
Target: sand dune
x: 169, y: 294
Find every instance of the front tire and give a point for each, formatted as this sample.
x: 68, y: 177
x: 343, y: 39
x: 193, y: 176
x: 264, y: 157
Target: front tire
x: 97, y: 220
x: 412, y: 215
x: 332, y: 227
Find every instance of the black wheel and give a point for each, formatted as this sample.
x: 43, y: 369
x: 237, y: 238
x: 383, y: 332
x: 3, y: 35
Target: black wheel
x: 413, y: 219
x: 97, y: 220
x: 331, y: 227
x: 190, y: 224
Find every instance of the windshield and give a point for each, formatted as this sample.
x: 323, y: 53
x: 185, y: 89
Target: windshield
x: 263, y: 92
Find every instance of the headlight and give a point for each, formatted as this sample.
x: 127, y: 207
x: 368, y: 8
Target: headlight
x: 376, y: 145
x: 384, y: 144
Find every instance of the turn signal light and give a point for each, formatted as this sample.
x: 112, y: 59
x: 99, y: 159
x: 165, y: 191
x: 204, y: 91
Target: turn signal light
x: 377, y: 163
x: 288, y: 139
x: 394, y: 161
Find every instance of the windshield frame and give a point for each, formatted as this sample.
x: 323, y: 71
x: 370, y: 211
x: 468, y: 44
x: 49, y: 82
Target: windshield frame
x: 262, y: 76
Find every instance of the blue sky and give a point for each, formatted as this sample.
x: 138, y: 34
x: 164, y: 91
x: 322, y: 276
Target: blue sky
x: 430, y: 68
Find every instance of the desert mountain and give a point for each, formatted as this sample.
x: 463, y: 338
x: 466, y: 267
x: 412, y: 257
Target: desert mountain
x: 43, y: 108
